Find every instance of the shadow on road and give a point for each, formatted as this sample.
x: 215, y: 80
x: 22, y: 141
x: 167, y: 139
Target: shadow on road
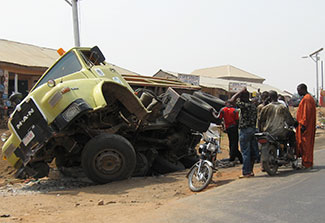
x: 221, y: 182
x: 284, y: 172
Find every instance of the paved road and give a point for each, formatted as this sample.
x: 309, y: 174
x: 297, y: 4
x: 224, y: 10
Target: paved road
x: 291, y: 196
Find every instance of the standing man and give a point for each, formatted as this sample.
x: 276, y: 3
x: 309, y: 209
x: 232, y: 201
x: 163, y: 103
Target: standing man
x: 247, y: 126
x: 306, y: 117
x: 229, y: 114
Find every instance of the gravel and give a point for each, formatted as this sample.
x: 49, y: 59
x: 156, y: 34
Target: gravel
x: 55, y: 182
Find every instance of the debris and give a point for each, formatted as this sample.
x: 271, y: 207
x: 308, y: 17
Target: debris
x: 5, y: 216
x: 111, y: 202
x: 178, y: 193
x: 101, y: 202
x: 218, y: 174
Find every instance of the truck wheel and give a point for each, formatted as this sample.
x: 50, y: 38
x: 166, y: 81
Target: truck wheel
x: 142, y: 166
x: 108, y: 157
x: 215, y: 102
x: 192, y: 122
x: 163, y: 165
x: 188, y: 161
x: 67, y: 168
x: 198, y: 107
x: 41, y: 169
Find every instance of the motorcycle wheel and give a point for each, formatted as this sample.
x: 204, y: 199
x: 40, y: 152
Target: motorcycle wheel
x: 199, y: 180
x: 294, y: 164
x: 269, y: 163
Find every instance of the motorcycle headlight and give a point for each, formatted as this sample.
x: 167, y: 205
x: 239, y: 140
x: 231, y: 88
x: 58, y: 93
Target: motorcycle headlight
x: 211, y: 147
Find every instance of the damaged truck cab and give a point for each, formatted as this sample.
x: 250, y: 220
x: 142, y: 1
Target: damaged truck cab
x: 79, y: 83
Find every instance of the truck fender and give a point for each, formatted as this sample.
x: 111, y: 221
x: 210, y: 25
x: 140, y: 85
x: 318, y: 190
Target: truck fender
x: 123, y: 94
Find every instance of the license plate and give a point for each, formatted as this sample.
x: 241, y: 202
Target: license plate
x: 28, y: 138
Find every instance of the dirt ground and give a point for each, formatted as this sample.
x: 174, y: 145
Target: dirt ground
x: 78, y: 200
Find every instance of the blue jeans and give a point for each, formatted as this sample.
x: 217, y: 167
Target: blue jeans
x: 249, y: 149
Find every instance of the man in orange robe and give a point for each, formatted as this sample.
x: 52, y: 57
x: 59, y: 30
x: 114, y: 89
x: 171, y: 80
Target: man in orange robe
x: 305, y: 136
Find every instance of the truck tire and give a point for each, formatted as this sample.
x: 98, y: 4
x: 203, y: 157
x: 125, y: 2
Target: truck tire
x: 163, y: 165
x: 189, y: 161
x: 107, y: 158
x: 215, y: 102
x: 42, y: 169
x: 198, y: 108
x: 192, y: 122
x: 67, y: 169
x: 142, y: 166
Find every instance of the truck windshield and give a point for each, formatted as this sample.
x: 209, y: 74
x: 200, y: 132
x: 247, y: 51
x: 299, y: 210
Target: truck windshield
x: 67, y: 65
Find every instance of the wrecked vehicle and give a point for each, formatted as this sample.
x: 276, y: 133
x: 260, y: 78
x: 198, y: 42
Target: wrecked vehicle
x: 83, y: 114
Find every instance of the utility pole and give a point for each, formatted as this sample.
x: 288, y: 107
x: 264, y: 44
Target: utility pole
x: 74, y: 5
x: 322, y: 70
x: 316, y: 59
x: 314, y: 56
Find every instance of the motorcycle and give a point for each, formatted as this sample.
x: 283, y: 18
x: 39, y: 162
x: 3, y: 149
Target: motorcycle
x: 200, y: 174
x: 276, y: 152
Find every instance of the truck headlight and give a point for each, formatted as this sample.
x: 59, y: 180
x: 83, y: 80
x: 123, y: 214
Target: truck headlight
x: 71, y: 112
x: 4, y: 137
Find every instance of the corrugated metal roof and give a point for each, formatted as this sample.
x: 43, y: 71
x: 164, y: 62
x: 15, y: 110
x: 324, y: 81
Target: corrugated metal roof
x: 211, y: 82
x: 26, y: 54
x: 228, y: 72
x: 164, y: 72
x: 218, y: 82
x: 123, y: 71
x: 35, y: 56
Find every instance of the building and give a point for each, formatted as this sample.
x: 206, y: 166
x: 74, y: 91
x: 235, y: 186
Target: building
x: 228, y: 72
x: 22, y: 64
x: 223, y: 81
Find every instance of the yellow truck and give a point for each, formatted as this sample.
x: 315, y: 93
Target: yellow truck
x: 83, y: 115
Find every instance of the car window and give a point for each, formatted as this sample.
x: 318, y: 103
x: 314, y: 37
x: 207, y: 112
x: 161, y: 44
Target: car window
x: 67, y: 65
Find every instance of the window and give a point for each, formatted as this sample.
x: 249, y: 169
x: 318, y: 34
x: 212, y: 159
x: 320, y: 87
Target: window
x: 67, y: 65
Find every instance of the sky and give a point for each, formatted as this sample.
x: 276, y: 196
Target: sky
x: 263, y: 37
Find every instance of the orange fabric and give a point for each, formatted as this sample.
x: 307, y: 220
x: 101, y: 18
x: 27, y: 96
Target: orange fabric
x: 306, y: 115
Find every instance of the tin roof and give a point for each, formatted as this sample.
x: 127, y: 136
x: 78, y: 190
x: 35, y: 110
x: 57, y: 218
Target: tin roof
x: 228, y: 72
x: 26, y: 54
x: 123, y: 71
x: 211, y: 82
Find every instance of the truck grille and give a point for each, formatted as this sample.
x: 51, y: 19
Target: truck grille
x: 27, y: 118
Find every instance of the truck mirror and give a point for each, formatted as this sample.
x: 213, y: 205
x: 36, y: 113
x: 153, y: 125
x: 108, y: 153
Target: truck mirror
x: 97, y: 55
x: 15, y: 97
